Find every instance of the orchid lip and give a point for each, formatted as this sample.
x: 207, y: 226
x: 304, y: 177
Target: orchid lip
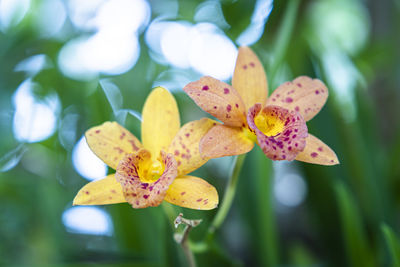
x: 280, y: 133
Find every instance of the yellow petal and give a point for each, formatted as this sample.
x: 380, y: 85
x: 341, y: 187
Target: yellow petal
x: 304, y: 95
x: 219, y: 99
x: 160, y: 121
x: 249, y: 78
x: 223, y: 141
x: 317, y: 152
x: 193, y: 193
x: 100, y: 192
x: 185, y: 146
x: 111, y: 142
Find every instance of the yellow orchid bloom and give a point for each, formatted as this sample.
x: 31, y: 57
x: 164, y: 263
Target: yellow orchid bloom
x: 277, y: 123
x: 148, y: 173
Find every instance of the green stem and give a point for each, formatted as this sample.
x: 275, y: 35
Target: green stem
x: 170, y: 212
x: 229, y: 195
x: 186, y: 248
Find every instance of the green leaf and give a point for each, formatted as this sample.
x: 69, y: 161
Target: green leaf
x: 12, y: 158
x: 113, y: 94
x: 353, y: 232
x: 393, y: 244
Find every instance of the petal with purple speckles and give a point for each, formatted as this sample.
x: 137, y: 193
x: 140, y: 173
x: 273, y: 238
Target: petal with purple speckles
x: 220, y: 100
x: 249, y: 78
x: 111, y: 142
x: 286, y: 143
x: 317, y: 152
x: 185, y: 145
x: 100, y: 192
x: 132, y: 171
x: 304, y: 95
x: 192, y: 192
x: 224, y: 140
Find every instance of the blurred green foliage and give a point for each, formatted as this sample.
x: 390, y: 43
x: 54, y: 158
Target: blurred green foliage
x: 350, y: 216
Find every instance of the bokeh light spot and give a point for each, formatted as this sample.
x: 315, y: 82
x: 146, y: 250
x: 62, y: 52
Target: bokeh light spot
x: 49, y: 17
x: 203, y: 47
x: 211, y: 52
x: 123, y: 16
x: 290, y: 190
x: 86, y: 163
x: 87, y: 220
x: 12, y: 12
x: 34, y: 119
x: 255, y: 30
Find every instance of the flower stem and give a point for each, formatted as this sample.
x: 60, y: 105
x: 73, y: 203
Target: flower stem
x: 228, y: 197
x: 186, y: 249
x: 183, y: 239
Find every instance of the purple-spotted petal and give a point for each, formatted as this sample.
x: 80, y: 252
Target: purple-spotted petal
x: 284, y: 144
x: 304, y: 95
x: 218, y: 99
x: 141, y: 194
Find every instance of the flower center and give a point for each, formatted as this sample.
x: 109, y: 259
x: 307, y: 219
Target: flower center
x: 156, y: 169
x: 249, y: 134
x: 151, y: 172
x: 269, y: 124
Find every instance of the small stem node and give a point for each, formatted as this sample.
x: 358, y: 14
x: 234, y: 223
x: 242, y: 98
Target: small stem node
x: 183, y: 238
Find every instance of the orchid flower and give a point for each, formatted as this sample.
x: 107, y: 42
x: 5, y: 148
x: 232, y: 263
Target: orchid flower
x: 153, y: 171
x: 277, y: 123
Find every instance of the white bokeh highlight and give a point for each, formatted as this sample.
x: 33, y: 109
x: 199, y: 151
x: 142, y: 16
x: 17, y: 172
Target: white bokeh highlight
x: 49, y: 17
x: 34, y: 119
x: 34, y: 64
x: 123, y: 16
x: 12, y: 12
x: 83, y: 13
x: 113, y: 48
x: 87, y: 220
x: 290, y: 190
x: 202, y: 47
x: 343, y: 77
x: 175, y: 43
x: 211, y: 52
x: 86, y: 163
x: 255, y: 30
x: 211, y: 11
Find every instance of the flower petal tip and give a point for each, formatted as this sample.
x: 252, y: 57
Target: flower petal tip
x: 317, y: 152
x: 193, y: 193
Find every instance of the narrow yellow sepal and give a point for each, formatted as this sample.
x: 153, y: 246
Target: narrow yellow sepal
x: 317, y: 152
x: 100, y: 192
x: 160, y: 121
x: 249, y: 78
x: 192, y: 192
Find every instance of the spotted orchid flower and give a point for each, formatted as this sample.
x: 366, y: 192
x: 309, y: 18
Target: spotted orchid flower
x: 277, y: 123
x: 156, y: 169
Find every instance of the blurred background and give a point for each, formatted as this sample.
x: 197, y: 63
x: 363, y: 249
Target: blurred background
x: 68, y: 65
